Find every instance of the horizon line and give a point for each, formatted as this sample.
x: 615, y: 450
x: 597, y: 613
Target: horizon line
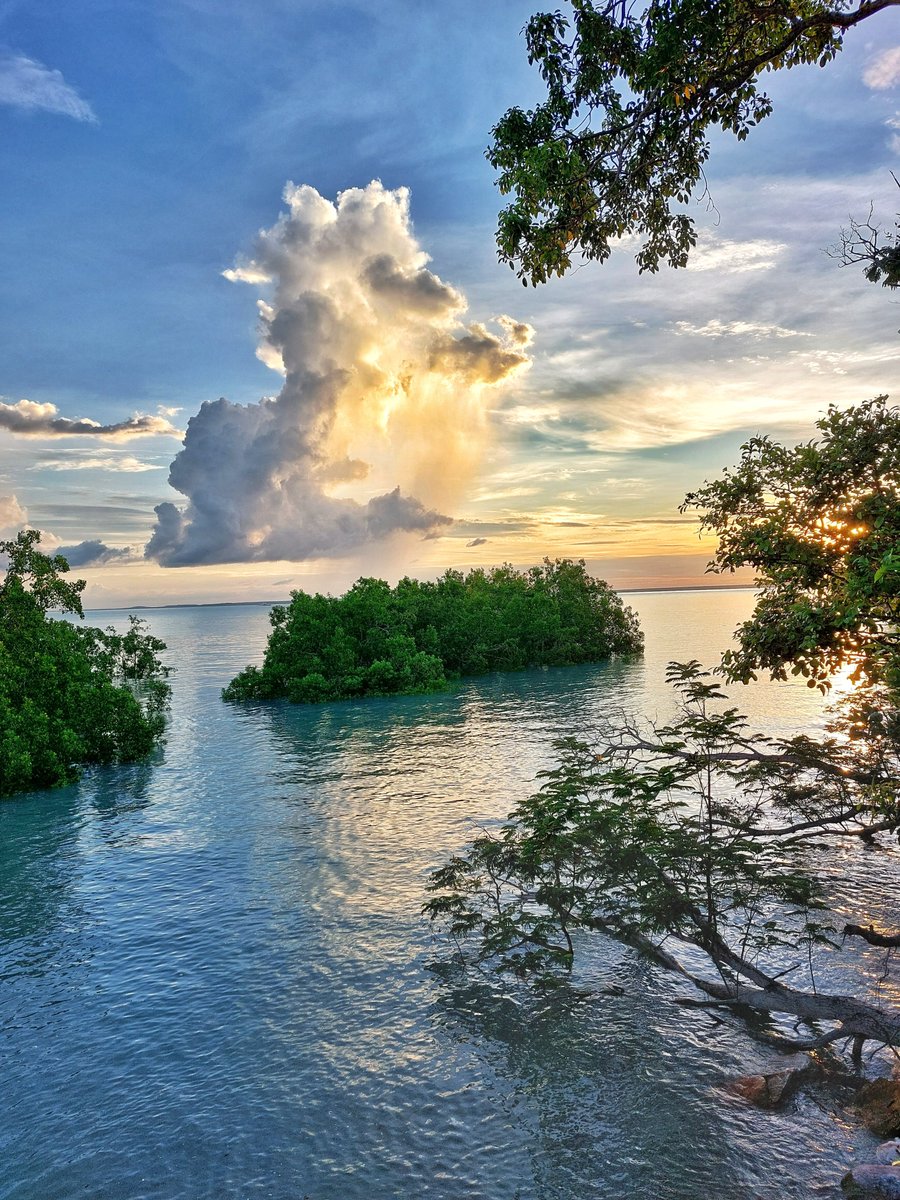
x: 695, y: 587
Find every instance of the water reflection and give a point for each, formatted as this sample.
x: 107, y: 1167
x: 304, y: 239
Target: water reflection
x: 626, y: 1098
x: 218, y: 957
x: 38, y: 853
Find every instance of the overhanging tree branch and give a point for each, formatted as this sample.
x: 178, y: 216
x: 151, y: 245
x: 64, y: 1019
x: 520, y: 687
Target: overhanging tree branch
x: 619, y: 145
x: 873, y: 936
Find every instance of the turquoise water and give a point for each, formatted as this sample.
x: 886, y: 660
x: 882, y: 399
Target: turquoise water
x: 215, y: 982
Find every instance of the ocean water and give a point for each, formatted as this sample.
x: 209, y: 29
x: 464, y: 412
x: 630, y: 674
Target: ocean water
x: 215, y: 980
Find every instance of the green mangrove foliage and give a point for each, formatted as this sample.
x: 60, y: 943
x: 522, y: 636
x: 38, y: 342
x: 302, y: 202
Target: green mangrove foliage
x: 378, y: 641
x: 69, y: 695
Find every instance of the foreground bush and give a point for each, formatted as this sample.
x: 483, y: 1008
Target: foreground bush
x: 414, y: 638
x: 69, y: 695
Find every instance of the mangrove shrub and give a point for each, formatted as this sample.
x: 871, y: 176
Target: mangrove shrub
x: 378, y: 641
x: 69, y: 695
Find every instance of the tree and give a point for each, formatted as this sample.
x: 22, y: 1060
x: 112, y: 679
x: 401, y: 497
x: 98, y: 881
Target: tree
x: 619, y: 145
x: 69, y: 695
x: 700, y: 837
x: 819, y: 523
x: 39, y: 576
x: 877, y: 251
x: 381, y: 641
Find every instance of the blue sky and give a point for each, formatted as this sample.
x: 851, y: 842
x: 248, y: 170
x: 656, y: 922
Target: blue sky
x: 144, y: 148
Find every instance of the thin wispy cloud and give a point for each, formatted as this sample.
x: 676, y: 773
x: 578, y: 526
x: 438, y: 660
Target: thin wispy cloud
x: 722, y: 255
x: 883, y: 72
x: 839, y: 362
x: 31, y: 419
x: 479, y: 530
x: 748, y: 329
x: 28, y: 84
x: 893, y: 123
x: 98, y: 462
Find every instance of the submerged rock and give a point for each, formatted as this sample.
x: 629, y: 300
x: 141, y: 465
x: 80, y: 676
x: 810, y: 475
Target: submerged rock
x: 771, y: 1090
x: 874, y: 1181
x: 889, y: 1153
x: 878, y: 1104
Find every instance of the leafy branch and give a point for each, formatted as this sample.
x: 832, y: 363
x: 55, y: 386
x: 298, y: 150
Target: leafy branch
x: 619, y: 146
x: 667, y: 841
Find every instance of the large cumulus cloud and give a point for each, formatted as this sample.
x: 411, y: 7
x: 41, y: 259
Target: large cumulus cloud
x: 381, y: 416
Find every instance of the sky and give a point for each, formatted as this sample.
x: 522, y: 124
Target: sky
x: 255, y: 335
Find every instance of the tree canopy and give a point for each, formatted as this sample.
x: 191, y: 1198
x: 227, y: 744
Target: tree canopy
x: 633, y: 92
x: 699, y: 840
x: 819, y: 523
x: 69, y: 695
x: 378, y: 640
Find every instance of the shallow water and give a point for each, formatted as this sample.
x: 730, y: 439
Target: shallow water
x: 215, y: 982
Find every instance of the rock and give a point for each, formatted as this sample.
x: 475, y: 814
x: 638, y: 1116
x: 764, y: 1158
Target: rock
x: 872, y: 1182
x: 751, y: 1088
x: 889, y: 1153
x: 768, y: 1091
x: 878, y: 1104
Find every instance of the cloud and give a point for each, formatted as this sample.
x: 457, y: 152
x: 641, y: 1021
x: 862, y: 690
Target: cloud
x: 488, y: 494
x: 95, y: 554
x: 476, y: 542
x: 420, y: 292
x: 883, y: 71
x: 382, y: 416
x: 70, y: 520
x: 31, y: 419
x: 752, y: 329
x: 498, y: 528
x: 243, y: 273
x: 839, y: 362
x: 478, y: 356
x: 721, y: 255
x: 96, y: 462
x: 12, y: 515
x: 26, y: 83
x: 518, y: 332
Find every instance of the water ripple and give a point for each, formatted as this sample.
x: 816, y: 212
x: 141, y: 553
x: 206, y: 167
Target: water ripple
x: 214, y: 981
